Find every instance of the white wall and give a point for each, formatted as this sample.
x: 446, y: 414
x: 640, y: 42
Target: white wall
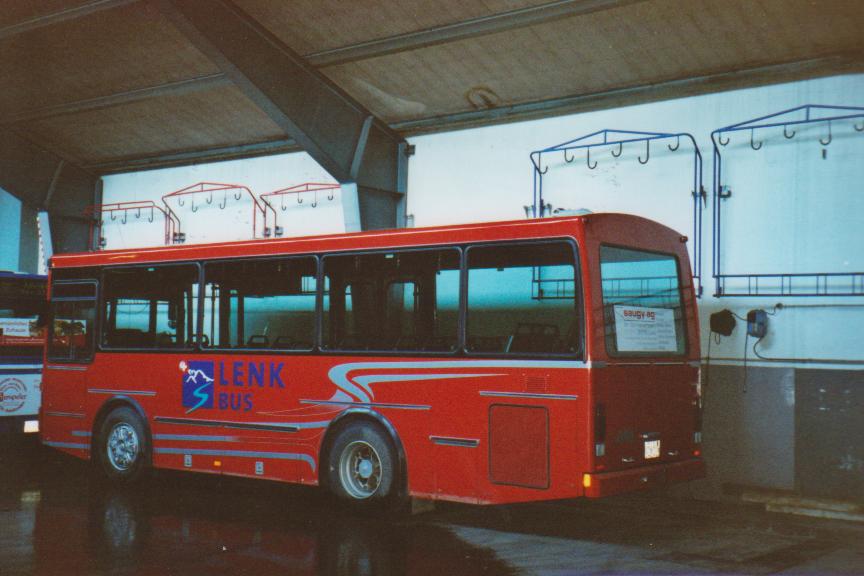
x: 209, y: 223
x: 791, y: 210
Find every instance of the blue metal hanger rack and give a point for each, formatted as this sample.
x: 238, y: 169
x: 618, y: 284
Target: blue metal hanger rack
x: 780, y: 283
x: 618, y: 138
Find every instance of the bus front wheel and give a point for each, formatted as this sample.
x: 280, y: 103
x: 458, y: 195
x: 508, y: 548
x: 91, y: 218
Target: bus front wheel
x: 362, y: 465
x: 122, y: 445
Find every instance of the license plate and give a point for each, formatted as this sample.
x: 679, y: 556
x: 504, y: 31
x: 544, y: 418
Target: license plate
x: 652, y: 449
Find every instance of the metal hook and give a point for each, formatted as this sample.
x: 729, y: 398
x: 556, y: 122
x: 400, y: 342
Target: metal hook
x: 315, y: 201
x: 786, y: 134
x: 125, y: 216
x: 824, y: 143
x: 210, y: 198
x: 537, y: 166
x: 113, y: 217
x: 181, y: 202
x: 677, y: 144
x: 647, y: 153
x: 620, y: 150
x: 331, y: 195
x: 588, y: 160
x: 152, y: 214
x: 238, y: 195
x: 752, y: 143
x: 720, y: 140
x: 138, y: 214
x: 861, y: 129
x: 566, y: 159
x: 282, y: 203
x: 224, y: 202
x: 299, y: 198
x: 193, y: 206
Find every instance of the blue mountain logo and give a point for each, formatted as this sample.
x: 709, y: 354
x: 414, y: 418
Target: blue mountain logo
x: 198, y: 385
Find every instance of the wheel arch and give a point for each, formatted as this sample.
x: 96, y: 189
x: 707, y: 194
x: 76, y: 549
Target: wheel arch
x: 119, y: 402
x: 362, y: 415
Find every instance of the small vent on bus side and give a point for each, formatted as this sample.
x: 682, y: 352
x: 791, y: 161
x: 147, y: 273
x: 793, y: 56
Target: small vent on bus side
x: 536, y: 384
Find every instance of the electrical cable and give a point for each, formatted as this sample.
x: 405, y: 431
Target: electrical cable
x: 756, y: 352
x: 746, y: 341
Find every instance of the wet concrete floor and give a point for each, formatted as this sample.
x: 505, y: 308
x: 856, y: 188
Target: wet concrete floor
x: 56, y: 517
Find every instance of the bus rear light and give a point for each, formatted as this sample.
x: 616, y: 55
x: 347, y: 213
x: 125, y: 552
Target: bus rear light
x: 697, y: 453
x: 599, y: 449
x: 586, y: 480
x: 217, y: 463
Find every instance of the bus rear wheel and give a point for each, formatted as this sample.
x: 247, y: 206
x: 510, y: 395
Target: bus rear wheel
x: 123, y: 451
x: 362, y: 465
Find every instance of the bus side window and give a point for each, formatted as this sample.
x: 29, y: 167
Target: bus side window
x: 522, y: 299
x: 73, y: 317
x: 263, y: 304
x: 396, y: 301
x: 150, y: 307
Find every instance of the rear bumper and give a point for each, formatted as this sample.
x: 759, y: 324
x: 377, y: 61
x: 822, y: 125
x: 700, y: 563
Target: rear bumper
x: 643, y: 478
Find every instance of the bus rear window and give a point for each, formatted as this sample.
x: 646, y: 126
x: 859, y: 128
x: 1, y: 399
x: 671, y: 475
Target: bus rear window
x: 641, y: 303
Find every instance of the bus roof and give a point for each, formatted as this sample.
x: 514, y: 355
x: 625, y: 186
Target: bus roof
x: 368, y: 240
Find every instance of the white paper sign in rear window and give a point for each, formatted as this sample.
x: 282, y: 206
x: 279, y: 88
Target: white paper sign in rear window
x: 639, y: 329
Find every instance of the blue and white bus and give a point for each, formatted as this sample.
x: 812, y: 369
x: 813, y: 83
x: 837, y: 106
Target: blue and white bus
x: 22, y: 339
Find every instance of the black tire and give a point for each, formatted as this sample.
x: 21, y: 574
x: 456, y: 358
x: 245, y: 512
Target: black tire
x: 362, y: 465
x: 122, y: 448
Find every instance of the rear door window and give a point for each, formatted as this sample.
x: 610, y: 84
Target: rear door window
x: 641, y: 303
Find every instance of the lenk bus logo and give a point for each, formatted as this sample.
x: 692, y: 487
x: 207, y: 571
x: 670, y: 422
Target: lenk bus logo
x: 199, y: 383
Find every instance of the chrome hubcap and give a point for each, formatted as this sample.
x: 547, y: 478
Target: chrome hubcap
x: 122, y: 446
x: 360, y: 469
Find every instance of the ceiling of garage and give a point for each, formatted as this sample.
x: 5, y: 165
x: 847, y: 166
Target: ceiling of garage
x: 112, y: 85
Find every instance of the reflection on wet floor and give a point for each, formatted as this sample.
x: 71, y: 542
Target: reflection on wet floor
x: 58, y: 518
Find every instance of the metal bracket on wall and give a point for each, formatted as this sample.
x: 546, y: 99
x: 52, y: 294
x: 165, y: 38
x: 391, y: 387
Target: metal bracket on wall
x: 779, y: 283
x: 615, y: 140
x: 235, y: 191
x: 146, y: 209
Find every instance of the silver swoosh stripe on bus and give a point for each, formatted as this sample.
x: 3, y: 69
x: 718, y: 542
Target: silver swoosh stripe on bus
x: 196, y: 438
x: 121, y: 392
x: 360, y: 387
x: 529, y: 395
x: 272, y: 426
x: 82, y: 433
x: 69, y: 368
x: 239, y: 453
x: 368, y: 404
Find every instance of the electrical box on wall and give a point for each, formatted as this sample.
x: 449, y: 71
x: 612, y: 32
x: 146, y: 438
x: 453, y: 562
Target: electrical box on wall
x: 757, y: 323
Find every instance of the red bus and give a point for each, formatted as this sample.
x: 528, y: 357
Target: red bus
x: 483, y: 363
